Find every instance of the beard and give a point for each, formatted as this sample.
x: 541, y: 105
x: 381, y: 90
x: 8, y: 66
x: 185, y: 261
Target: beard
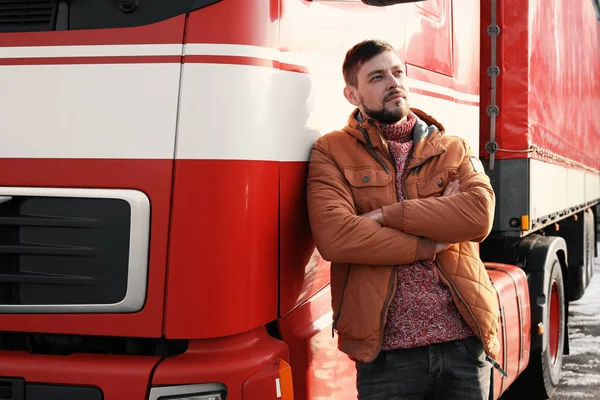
x: 385, y: 115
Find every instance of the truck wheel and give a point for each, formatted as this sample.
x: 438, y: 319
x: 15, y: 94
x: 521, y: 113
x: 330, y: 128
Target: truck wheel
x: 545, y: 366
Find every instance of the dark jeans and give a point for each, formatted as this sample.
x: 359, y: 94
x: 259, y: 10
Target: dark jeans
x: 452, y: 370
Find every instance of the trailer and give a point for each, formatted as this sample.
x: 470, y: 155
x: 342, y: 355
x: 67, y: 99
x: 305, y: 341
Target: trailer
x: 543, y: 158
x: 154, y: 238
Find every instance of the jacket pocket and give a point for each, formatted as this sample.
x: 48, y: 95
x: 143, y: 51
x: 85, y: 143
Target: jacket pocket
x: 367, y: 177
x: 434, y: 186
x: 370, y: 188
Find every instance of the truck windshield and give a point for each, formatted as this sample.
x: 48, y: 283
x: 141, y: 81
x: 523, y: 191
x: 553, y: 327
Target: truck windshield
x: 50, y: 15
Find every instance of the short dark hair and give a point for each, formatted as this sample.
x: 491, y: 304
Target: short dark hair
x: 359, y: 54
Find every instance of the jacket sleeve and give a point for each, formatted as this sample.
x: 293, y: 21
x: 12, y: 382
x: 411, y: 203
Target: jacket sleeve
x: 466, y: 216
x: 342, y: 236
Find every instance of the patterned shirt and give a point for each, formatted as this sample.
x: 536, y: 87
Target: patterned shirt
x: 422, y: 311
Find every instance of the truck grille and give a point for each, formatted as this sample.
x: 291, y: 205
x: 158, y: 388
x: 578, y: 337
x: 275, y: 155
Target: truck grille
x: 66, y: 253
x: 27, y: 15
x: 18, y: 389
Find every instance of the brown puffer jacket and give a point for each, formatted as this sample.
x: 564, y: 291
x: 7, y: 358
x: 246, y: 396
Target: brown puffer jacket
x: 351, y: 173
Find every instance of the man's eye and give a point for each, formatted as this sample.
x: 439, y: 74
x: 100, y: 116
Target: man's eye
x: 376, y: 78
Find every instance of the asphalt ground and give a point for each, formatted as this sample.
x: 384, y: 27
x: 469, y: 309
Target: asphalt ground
x: 581, y: 369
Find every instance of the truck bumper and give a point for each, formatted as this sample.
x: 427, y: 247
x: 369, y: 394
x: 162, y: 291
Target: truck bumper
x: 248, y: 366
x: 76, y: 376
x: 251, y: 365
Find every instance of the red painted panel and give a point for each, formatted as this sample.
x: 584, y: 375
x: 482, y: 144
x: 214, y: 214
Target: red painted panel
x: 236, y: 22
x: 153, y: 177
x: 91, y: 60
x: 499, y: 381
x: 223, y: 258
x: 430, y: 45
x: 235, y: 60
x: 511, y: 284
x: 230, y: 360
x: 466, y: 46
x: 305, y: 23
x: 164, y: 32
x: 549, y: 85
x: 425, y: 75
x: 262, y: 385
x: 564, y: 78
x: 320, y: 370
x: 512, y: 84
x: 119, y: 377
x: 303, y: 272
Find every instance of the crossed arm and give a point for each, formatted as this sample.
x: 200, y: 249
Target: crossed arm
x: 463, y: 213
x: 377, y: 215
x: 343, y: 236
x: 400, y: 233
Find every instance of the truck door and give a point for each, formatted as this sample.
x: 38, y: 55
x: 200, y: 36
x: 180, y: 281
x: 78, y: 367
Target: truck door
x: 430, y: 46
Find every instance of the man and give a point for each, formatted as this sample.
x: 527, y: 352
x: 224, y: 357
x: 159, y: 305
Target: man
x: 396, y: 206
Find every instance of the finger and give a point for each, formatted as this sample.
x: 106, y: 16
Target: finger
x: 455, y: 187
x: 449, y: 189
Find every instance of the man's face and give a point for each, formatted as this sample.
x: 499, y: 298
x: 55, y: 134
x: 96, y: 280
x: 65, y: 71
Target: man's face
x: 381, y: 91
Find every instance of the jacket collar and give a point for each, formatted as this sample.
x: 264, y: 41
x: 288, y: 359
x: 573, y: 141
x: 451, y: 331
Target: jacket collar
x: 427, y: 135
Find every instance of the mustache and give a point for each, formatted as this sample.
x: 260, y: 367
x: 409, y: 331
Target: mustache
x: 394, y: 93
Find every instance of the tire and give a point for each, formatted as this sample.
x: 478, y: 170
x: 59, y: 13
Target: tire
x: 545, y: 367
x: 541, y: 377
x: 589, y: 245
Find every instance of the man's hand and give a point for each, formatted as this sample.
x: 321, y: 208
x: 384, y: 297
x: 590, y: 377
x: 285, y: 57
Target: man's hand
x: 452, y: 188
x: 376, y: 215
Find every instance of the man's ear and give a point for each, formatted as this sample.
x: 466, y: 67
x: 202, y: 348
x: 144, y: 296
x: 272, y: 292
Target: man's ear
x: 351, y: 95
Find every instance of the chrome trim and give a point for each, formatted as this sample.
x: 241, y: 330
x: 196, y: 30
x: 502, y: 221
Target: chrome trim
x: 182, y: 390
x: 139, y: 243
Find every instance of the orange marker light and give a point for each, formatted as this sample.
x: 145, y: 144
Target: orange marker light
x: 525, y: 222
x: 285, y: 385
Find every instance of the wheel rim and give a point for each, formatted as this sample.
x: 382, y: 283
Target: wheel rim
x: 554, y: 323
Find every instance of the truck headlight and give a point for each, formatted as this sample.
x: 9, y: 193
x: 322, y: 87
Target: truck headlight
x: 204, y: 391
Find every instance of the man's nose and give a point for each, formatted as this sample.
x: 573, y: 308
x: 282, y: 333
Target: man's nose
x: 394, y: 82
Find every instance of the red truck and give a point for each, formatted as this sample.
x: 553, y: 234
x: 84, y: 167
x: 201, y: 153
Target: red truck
x: 154, y: 239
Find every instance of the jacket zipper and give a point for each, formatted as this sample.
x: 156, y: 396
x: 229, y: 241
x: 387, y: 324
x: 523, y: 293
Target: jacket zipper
x: 386, y: 154
x: 337, y: 317
x: 415, y: 168
x: 372, y: 150
x: 388, y: 297
x: 487, y: 356
x: 386, y: 305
